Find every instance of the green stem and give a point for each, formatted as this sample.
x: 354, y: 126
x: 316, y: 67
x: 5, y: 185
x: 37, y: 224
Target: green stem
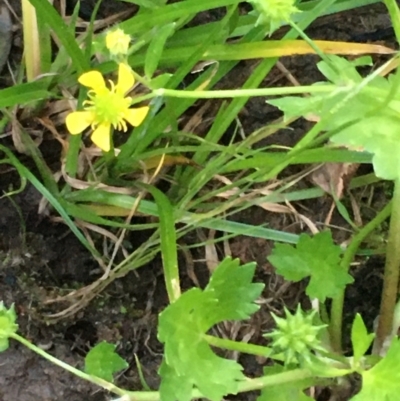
x: 75, y: 142
x: 351, y: 90
x: 238, y: 346
x: 273, y: 380
x: 93, y: 379
x: 311, y: 43
x: 335, y: 328
x: 391, y: 274
x: 109, y: 156
x: 234, y: 93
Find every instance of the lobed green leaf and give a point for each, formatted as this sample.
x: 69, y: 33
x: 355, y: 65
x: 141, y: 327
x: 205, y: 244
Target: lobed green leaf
x: 316, y: 257
x: 230, y: 295
x: 103, y: 362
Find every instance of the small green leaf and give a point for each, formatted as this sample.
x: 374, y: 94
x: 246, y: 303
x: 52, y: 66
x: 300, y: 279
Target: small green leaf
x: 8, y: 326
x: 294, y: 106
x: 339, y: 70
x: 103, y: 362
x: 317, y: 257
x: 363, y: 61
x: 360, y: 338
x: 160, y: 81
x: 230, y: 276
x: 381, y: 383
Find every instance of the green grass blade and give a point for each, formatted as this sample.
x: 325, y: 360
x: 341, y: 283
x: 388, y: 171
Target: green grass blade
x: 26, y: 174
x: 169, y: 13
x: 266, y: 160
x: 168, y: 242
x: 156, y: 47
x: 192, y: 219
x: 48, y: 13
x: 24, y: 93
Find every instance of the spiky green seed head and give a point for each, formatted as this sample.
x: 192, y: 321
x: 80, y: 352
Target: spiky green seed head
x: 296, y: 336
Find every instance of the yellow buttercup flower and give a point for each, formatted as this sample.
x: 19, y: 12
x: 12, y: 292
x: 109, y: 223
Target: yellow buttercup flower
x: 106, y: 107
x: 117, y: 42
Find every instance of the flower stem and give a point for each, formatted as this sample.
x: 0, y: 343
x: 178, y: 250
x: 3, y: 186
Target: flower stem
x: 310, y: 42
x: 391, y: 274
x: 109, y: 157
x: 335, y: 327
x: 235, y: 93
x: 238, y: 346
x: 93, y: 379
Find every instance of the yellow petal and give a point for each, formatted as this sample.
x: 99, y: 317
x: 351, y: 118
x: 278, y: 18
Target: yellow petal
x: 93, y: 80
x: 136, y: 116
x: 78, y: 121
x: 101, y: 137
x: 126, y: 79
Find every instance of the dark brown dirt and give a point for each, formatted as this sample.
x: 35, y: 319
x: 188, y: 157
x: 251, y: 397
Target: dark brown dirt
x: 39, y: 258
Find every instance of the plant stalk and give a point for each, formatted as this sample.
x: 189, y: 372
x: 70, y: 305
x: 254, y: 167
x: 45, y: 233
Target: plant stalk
x: 235, y: 93
x: 336, y: 321
x: 231, y: 345
x: 93, y: 379
x: 391, y: 274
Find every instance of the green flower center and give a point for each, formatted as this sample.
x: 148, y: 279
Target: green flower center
x: 109, y: 107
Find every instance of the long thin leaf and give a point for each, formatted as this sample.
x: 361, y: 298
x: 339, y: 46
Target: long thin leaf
x: 24, y: 93
x: 168, y: 242
x: 265, y: 49
x: 26, y: 174
x: 171, y: 12
x: 54, y: 20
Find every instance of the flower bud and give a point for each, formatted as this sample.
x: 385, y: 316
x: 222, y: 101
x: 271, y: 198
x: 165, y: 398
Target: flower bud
x: 274, y: 12
x: 117, y: 42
